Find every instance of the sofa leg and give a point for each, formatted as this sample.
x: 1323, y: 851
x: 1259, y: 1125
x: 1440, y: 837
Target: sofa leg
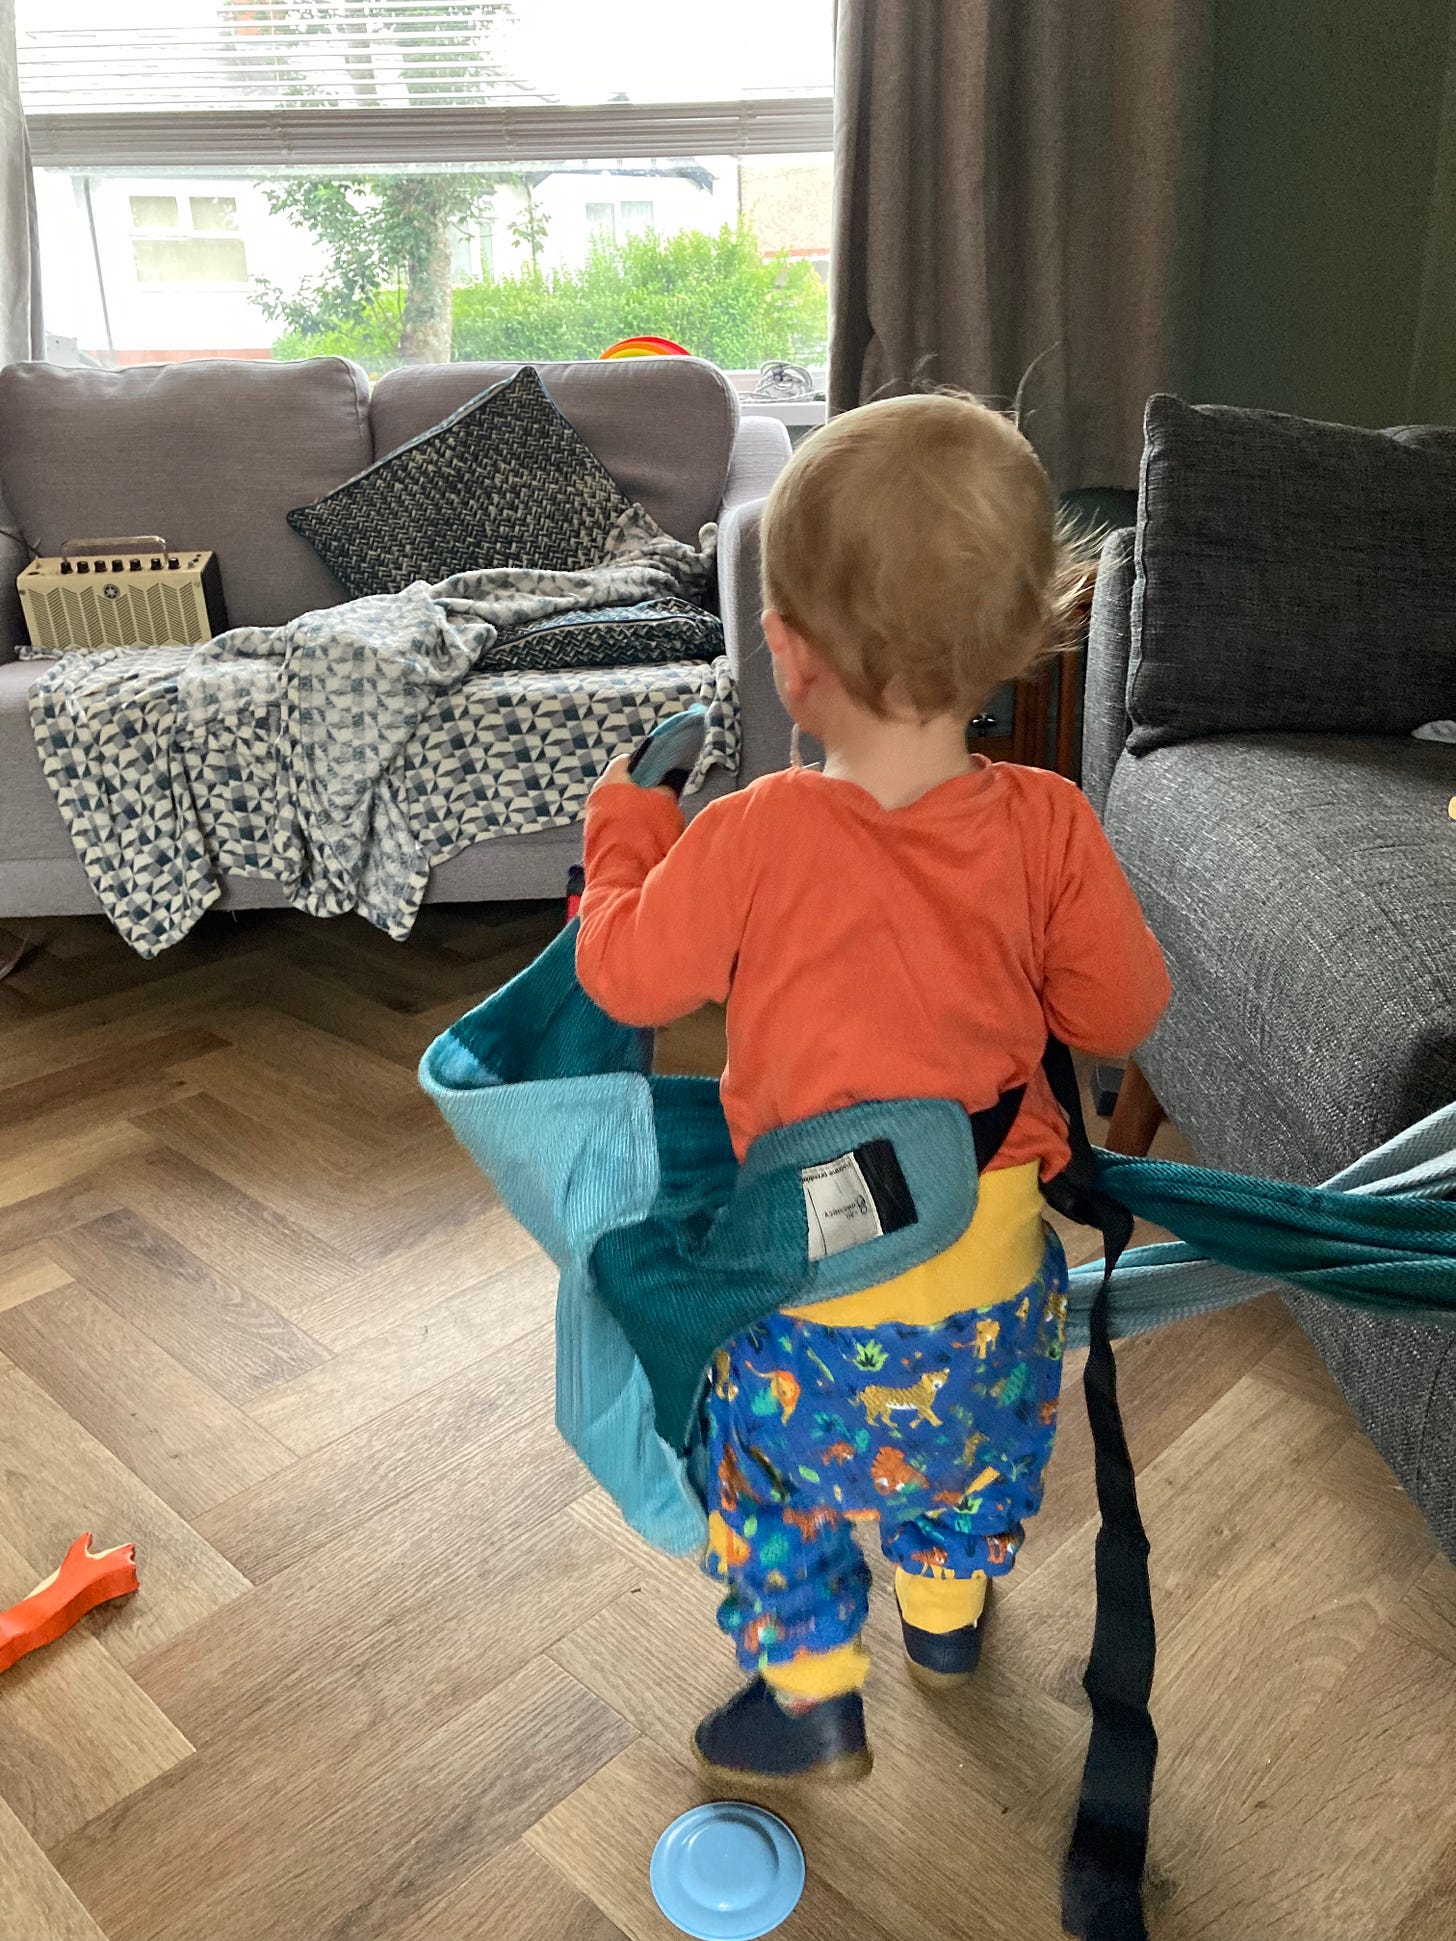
x: 1137, y: 1115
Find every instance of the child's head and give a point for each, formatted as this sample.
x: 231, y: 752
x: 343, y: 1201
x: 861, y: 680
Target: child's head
x: 912, y: 547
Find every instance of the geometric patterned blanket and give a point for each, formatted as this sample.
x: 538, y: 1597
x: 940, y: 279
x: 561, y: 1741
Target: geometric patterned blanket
x: 345, y: 753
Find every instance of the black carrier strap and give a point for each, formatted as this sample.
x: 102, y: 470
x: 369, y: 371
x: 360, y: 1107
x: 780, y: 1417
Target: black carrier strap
x: 1102, y: 1873
x: 989, y: 1128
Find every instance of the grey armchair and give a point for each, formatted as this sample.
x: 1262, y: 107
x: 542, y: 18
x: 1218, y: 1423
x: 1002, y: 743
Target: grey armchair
x: 1261, y: 647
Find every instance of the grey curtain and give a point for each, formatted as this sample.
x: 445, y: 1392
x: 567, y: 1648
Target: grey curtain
x: 1433, y: 365
x: 21, y: 333
x: 1017, y: 185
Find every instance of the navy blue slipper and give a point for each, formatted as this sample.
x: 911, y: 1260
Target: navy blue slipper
x: 941, y: 1660
x: 752, y: 1737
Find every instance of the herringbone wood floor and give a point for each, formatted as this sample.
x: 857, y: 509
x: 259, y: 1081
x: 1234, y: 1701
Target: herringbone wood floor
x: 396, y: 1673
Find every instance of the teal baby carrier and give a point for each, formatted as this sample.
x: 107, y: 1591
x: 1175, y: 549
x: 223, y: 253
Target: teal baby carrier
x: 667, y: 1248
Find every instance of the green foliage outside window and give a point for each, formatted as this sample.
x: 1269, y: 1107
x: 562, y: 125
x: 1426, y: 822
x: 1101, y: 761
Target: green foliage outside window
x: 714, y: 294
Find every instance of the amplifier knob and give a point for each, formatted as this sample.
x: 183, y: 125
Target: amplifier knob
x: 116, y: 566
x: 65, y: 566
x: 83, y: 566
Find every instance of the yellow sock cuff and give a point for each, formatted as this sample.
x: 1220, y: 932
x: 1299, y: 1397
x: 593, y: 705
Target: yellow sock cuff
x: 941, y: 1604
x: 821, y: 1674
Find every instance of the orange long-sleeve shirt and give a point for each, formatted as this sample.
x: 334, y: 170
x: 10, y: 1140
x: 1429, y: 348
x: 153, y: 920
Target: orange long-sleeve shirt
x: 869, y: 953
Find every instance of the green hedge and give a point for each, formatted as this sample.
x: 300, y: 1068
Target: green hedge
x: 714, y: 294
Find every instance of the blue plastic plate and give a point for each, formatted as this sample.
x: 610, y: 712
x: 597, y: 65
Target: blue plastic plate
x: 727, y: 1872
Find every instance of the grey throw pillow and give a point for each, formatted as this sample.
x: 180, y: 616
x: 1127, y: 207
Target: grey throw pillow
x: 1290, y: 577
x: 504, y: 481
x: 641, y: 635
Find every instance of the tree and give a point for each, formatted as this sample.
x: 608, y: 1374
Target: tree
x: 383, y: 233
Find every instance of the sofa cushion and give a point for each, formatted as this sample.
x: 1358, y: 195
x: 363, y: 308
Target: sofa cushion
x: 1304, y: 892
x: 504, y: 481
x: 663, y: 426
x: 31, y: 829
x: 209, y: 454
x: 1269, y: 546
x: 645, y: 634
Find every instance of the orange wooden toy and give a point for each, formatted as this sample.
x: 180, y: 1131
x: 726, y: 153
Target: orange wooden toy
x: 85, y: 1579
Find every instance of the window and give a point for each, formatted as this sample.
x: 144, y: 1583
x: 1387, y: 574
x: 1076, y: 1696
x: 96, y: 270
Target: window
x: 280, y: 178
x: 199, y: 250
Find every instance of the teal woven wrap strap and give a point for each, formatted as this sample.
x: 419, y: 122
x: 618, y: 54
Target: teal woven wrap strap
x: 1379, y: 1236
x: 667, y: 1247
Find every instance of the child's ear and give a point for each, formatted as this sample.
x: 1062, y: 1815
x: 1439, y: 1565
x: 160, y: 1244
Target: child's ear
x: 794, y: 661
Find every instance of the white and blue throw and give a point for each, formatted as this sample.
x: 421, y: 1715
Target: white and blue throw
x: 345, y: 753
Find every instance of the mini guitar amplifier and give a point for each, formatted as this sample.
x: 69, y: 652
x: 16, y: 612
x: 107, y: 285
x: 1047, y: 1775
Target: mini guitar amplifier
x: 122, y: 593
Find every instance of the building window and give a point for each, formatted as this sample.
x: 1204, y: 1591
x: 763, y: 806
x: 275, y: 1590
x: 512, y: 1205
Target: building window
x: 601, y: 220
x: 636, y: 218
x: 199, y: 250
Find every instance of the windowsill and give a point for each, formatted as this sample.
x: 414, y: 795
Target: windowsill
x: 795, y: 412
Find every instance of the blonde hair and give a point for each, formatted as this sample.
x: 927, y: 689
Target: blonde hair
x: 914, y: 543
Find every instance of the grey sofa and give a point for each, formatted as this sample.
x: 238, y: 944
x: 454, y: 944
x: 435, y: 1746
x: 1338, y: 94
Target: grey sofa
x: 1261, y: 648
x: 214, y: 453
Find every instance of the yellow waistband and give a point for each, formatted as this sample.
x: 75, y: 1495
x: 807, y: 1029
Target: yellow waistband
x: 999, y: 1252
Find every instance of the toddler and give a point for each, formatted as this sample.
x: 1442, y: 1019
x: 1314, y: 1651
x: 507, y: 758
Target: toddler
x: 909, y: 921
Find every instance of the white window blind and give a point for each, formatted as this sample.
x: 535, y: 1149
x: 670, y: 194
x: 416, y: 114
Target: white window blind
x: 215, y: 83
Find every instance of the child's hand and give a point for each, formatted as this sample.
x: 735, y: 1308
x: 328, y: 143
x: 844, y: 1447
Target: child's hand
x: 615, y: 771
x: 618, y: 771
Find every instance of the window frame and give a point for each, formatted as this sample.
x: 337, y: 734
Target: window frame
x: 186, y: 232
x: 427, y: 139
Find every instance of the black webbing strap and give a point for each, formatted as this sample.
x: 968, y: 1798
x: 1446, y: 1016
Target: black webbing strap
x: 1102, y: 1873
x: 989, y: 1128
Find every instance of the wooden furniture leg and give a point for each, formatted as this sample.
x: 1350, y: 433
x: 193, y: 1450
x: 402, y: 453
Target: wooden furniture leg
x: 1137, y: 1115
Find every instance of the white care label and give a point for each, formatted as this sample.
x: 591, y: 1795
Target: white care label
x: 840, y: 1206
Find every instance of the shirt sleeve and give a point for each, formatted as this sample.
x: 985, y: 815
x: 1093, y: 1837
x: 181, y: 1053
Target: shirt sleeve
x: 664, y: 908
x: 1105, y: 985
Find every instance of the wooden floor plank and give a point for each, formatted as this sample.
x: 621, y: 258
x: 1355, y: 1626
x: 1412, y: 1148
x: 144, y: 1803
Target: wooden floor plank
x: 241, y: 1239
x: 305, y: 1125
x: 30, y: 1169
x: 27, y: 1272
x: 36, y: 1220
x: 368, y: 1867
x: 119, y: 1017
x: 517, y: 1896
x: 77, y: 1734
x: 441, y: 1258
x: 391, y: 1367
x: 359, y: 1656
x: 37, y: 1903
x: 60, y: 1481
x: 363, y: 1086
x: 219, y: 1330
x: 478, y: 1428
x: 183, y: 1440
x: 1357, y: 1779
x: 106, y: 1085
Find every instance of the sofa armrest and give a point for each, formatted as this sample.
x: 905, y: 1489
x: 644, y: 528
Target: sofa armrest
x: 760, y: 452
x: 1109, y: 646
x: 14, y: 555
x: 763, y: 722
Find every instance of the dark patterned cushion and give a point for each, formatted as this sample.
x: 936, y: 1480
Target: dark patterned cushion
x: 1290, y: 576
x: 642, y: 635
x: 504, y: 481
